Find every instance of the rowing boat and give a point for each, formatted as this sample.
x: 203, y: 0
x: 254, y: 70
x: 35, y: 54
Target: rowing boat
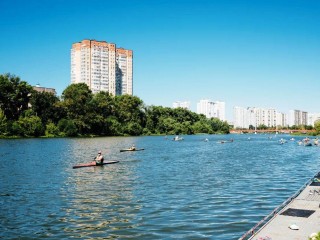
x: 93, y: 164
x: 131, y: 150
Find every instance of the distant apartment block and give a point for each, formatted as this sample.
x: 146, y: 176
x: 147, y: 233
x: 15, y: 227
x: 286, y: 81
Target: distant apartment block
x: 185, y: 105
x: 312, y: 118
x: 297, y: 117
x: 124, y: 71
x: 252, y: 116
x: 240, y: 119
x: 211, y: 109
x: 282, y: 119
x: 44, y: 89
x: 244, y: 117
x: 102, y: 66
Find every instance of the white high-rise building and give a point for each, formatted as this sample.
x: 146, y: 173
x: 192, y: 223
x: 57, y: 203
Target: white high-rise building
x: 260, y: 116
x: 251, y: 119
x: 102, y: 67
x: 185, y: 105
x: 281, y: 119
x: 254, y: 117
x: 239, y: 117
x: 211, y: 109
x: 271, y: 117
x: 205, y: 107
x: 297, y: 117
x: 124, y: 71
x: 220, y: 110
x: 312, y: 117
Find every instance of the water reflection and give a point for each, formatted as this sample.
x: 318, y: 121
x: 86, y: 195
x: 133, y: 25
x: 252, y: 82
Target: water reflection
x: 187, y: 189
x: 102, y: 197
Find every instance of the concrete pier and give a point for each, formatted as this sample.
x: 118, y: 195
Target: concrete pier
x: 295, y: 219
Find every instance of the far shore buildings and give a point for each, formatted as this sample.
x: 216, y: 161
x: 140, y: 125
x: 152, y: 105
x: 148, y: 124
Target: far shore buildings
x: 211, y: 109
x: 312, y: 118
x: 38, y: 88
x: 297, y: 117
x: 185, y: 105
x: 253, y: 116
x: 102, y: 66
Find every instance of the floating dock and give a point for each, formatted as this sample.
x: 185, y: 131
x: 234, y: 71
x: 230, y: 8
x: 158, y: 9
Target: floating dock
x: 295, y: 219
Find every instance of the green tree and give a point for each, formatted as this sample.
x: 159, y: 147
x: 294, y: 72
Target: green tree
x: 29, y: 125
x: 104, y: 104
x: 181, y: 115
x: 46, y: 106
x: 114, y: 127
x: 187, y: 128
x: 153, y: 115
x: 314, y: 236
x: 202, y: 126
x: 166, y: 125
x: 133, y: 129
x: 317, y: 126
x: 101, y: 107
x: 76, y: 100
x: 308, y: 127
x: 15, y: 96
x: 67, y: 128
x: 215, y: 124
x: 52, y: 130
x: 129, y: 109
x: 262, y: 127
x: 3, y: 124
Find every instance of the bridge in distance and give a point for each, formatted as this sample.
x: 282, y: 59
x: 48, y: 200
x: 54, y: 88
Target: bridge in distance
x: 272, y: 131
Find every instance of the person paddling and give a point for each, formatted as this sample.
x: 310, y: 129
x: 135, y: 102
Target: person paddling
x: 99, y: 158
x: 133, y: 147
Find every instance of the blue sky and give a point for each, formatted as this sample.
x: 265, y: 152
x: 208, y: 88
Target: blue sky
x: 262, y: 53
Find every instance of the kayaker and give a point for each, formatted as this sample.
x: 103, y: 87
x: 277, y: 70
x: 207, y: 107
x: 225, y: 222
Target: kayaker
x: 99, y: 158
x: 133, y: 147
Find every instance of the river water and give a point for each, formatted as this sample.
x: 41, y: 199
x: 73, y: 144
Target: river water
x: 189, y: 189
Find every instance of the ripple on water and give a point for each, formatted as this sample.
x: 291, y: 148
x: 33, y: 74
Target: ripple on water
x: 186, y: 190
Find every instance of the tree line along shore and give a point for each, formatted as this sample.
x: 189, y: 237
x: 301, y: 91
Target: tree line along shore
x: 25, y: 112
x: 78, y: 112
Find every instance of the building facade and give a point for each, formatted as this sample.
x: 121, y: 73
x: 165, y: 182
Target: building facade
x: 211, y: 109
x: 312, y: 118
x: 185, y: 105
x: 38, y: 88
x: 124, y: 72
x: 102, y: 67
x: 255, y: 117
x: 298, y: 117
x: 239, y: 117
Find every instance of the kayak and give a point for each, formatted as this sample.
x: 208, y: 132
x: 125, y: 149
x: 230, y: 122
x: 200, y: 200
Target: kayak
x: 131, y: 150
x: 93, y: 164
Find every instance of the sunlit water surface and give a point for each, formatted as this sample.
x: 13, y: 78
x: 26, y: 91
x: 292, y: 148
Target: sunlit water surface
x: 189, y: 189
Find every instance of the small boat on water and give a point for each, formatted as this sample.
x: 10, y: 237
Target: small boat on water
x: 177, y: 138
x: 93, y: 164
x: 282, y: 141
x: 131, y: 149
x: 226, y: 141
x: 306, y: 142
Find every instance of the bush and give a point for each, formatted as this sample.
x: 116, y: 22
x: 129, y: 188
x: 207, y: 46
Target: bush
x: 3, y: 124
x: 30, y: 126
x: 67, y: 128
x: 133, y: 129
x: 52, y: 130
